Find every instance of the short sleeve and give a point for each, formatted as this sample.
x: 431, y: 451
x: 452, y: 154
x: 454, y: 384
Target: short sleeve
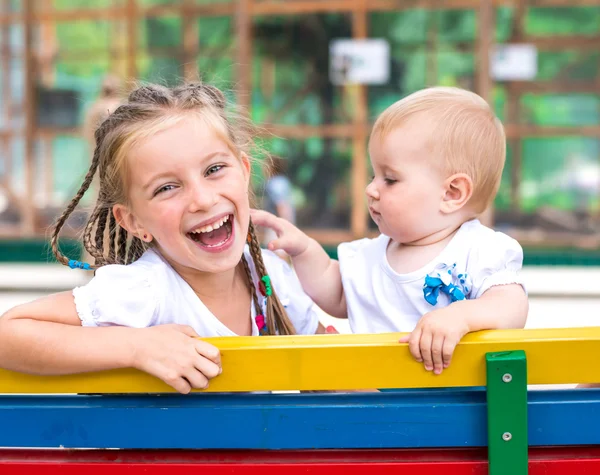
x: 357, y: 257
x: 118, y: 295
x: 299, y: 306
x: 350, y: 251
x: 496, y: 259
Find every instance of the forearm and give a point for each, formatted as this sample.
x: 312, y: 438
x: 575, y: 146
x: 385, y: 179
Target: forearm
x: 37, y: 347
x: 321, y: 280
x: 501, y: 307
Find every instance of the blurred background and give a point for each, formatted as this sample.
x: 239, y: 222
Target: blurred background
x: 314, y: 74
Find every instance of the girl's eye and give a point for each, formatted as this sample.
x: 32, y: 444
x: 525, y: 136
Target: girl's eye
x: 389, y: 181
x: 164, y: 188
x: 213, y: 169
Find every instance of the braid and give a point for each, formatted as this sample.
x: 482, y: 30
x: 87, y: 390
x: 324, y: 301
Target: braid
x: 252, y: 286
x: 278, y: 321
x: 112, y: 237
x: 87, y: 235
x: 72, y: 205
x: 122, y: 246
x: 217, y: 98
x: 192, y: 95
x: 152, y: 95
x: 99, y: 237
x: 136, y: 249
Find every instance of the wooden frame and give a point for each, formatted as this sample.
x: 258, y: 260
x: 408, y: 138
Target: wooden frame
x: 34, y: 13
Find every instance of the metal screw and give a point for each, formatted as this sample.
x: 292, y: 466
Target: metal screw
x: 506, y: 436
x: 507, y: 378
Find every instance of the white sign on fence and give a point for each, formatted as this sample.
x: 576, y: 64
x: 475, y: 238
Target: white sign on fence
x: 363, y: 61
x: 514, y: 62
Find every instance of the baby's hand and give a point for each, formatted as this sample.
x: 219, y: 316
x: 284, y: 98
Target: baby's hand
x: 289, y: 238
x: 174, y: 354
x: 435, y: 337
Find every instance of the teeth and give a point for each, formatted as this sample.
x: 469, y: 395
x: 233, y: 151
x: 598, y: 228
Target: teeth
x: 211, y: 227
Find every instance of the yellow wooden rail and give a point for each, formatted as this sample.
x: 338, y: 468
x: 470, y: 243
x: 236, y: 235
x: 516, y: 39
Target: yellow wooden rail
x: 322, y: 362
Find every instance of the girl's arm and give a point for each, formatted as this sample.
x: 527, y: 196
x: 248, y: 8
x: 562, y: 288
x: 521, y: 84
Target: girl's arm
x: 46, y: 337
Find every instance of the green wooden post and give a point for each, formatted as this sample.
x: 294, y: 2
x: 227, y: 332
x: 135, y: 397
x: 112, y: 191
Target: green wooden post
x: 507, y: 412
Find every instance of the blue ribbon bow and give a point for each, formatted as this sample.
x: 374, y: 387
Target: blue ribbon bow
x: 441, y: 281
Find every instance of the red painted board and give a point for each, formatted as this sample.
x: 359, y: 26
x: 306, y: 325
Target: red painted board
x: 551, y: 461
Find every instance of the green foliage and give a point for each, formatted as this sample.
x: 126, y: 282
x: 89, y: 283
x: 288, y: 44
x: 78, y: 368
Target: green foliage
x: 290, y: 81
x: 562, y: 21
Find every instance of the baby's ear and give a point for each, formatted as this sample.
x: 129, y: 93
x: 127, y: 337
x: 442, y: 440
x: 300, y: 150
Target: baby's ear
x: 458, y: 191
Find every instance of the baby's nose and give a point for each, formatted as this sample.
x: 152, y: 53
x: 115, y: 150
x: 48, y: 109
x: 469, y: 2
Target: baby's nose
x: 371, y: 191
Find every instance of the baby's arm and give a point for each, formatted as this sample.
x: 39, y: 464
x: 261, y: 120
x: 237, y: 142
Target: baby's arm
x: 46, y: 337
x: 318, y: 273
x: 501, y: 306
x: 437, y: 333
x: 496, y: 300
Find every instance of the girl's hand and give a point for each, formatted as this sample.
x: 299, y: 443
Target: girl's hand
x: 435, y: 337
x: 289, y: 238
x: 174, y: 354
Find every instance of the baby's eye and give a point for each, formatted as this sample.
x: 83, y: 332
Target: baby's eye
x: 389, y: 181
x: 213, y: 169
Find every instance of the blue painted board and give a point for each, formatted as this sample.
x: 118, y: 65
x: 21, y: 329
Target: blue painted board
x: 403, y: 419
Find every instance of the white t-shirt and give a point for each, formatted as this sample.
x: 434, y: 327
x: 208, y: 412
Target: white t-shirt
x: 380, y: 300
x: 149, y: 292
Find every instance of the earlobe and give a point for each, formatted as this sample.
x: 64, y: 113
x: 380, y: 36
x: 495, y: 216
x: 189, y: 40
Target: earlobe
x: 127, y: 221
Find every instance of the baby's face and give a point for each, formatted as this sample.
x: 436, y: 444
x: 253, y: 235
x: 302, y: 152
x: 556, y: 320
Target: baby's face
x: 406, y: 191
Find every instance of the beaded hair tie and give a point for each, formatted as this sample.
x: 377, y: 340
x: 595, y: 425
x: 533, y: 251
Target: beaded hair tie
x: 266, y: 290
x: 73, y: 264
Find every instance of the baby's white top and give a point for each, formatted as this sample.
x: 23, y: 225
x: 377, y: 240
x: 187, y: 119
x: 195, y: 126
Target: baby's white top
x: 149, y: 292
x: 380, y: 300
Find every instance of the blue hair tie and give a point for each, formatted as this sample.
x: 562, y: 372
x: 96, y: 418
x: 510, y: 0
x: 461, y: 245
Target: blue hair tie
x: 73, y: 264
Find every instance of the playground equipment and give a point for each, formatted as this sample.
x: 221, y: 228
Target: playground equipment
x: 475, y: 418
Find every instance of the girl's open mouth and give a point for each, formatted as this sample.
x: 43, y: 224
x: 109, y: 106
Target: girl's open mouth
x: 214, y: 236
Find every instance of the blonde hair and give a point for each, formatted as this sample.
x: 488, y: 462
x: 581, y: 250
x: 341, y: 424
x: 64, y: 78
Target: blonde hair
x: 465, y: 133
x: 148, y: 109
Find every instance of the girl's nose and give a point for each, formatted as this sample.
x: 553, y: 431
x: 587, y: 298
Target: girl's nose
x: 202, y: 198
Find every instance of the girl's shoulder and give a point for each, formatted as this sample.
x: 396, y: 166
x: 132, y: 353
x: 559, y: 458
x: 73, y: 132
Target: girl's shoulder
x: 127, y: 295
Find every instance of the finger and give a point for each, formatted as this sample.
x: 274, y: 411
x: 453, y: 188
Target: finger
x: 208, y: 351
x: 207, y: 367
x: 413, y: 344
x: 425, y: 347
x: 448, y: 351
x: 196, y: 379
x: 404, y: 339
x: 276, y: 244
x: 180, y: 385
x: 263, y: 218
x: 189, y: 331
x: 437, y: 345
